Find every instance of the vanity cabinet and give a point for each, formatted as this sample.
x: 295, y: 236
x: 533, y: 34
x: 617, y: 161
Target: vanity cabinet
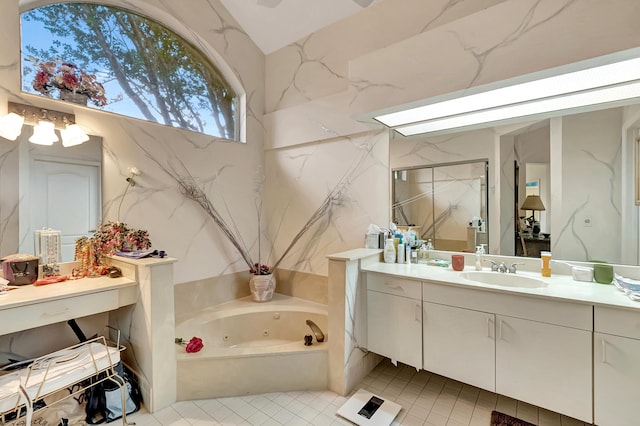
x: 545, y: 364
x: 616, y: 369
x: 459, y: 343
x: 537, y: 351
x: 394, y: 318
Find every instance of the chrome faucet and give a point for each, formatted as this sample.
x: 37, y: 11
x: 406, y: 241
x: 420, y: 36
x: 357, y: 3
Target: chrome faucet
x: 512, y: 268
x: 316, y: 330
x: 494, y: 265
x: 502, y: 267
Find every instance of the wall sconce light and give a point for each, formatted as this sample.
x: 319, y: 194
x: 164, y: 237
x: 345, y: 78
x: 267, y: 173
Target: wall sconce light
x: 11, y: 126
x: 46, y: 122
x: 44, y: 133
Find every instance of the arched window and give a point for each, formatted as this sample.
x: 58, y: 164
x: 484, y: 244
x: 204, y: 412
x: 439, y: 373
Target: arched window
x: 118, y: 61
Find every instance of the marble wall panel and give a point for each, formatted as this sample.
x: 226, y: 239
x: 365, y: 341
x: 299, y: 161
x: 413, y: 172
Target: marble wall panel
x: 317, y: 66
x: 340, y: 182
x: 504, y: 41
x: 591, y: 173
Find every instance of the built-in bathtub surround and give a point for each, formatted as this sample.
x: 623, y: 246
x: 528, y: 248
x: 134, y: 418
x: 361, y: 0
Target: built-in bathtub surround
x: 198, y: 295
x: 253, y: 348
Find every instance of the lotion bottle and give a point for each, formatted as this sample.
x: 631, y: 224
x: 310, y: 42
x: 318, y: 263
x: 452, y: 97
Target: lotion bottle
x: 389, y: 251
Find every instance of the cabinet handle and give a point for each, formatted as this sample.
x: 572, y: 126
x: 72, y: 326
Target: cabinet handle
x: 418, y: 313
x: 500, y: 329
x: 488, y: 327
x: 604, y: 351
x: 394, y: 287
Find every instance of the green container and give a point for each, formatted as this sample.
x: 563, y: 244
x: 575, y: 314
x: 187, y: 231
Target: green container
x: 603, y: 273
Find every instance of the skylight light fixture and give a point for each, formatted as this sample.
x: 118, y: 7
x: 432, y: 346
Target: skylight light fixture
x: 614, y: 82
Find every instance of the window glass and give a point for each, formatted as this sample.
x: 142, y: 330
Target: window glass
x: 121, y: 62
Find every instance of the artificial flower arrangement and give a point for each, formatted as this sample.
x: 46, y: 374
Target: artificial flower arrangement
x: 109, y: 238
x: 68, y: 77
x: 192, y: 346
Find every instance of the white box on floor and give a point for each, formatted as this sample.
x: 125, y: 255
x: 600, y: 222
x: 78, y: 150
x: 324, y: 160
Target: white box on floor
x: 365, y: 408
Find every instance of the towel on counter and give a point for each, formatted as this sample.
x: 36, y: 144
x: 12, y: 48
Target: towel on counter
x: 51, y: 280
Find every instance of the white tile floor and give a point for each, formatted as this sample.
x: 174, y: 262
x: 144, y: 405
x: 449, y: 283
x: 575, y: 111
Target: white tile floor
x: 426, y: 398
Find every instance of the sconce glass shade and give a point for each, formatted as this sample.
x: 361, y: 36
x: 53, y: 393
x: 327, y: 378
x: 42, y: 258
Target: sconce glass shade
x: 11, y: 126
x: 73, y: 135
x: 44, y: 133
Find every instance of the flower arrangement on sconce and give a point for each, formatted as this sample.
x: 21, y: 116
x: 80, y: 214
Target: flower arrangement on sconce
x: 67, y: 77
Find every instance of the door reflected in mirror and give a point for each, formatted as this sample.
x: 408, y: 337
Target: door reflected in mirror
x: 46, y: 187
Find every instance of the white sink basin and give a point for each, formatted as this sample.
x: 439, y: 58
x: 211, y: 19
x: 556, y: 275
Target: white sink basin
x: 503, y: 279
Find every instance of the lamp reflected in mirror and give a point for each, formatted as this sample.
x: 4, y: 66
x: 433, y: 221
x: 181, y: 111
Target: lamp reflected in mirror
x: 533, y: 203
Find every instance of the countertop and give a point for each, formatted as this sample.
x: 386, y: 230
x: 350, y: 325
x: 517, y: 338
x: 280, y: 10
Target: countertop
x: 30, y: 294
x: 560, y: 287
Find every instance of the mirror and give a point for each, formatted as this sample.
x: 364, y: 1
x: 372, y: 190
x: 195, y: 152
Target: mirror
x: 48, y: 187
x: 446, y: 203
x: 581, y: 165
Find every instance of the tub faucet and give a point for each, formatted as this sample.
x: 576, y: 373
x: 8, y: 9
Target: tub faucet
x: 316, y: 330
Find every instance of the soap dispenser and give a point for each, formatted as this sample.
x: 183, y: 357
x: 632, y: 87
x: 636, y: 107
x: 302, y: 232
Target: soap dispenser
x: 479, y: 253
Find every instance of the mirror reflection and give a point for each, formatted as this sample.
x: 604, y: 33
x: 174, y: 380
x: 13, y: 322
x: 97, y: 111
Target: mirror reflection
x: 49, y: 187
x: 581, y: 166
x: 446, y: 203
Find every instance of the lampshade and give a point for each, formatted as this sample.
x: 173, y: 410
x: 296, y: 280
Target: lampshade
x: 532, y: 202
x: 44, y: 133
x: 11, y: 126
x: 73, y: 135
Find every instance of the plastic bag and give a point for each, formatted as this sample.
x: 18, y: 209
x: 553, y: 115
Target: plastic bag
x: 104, y: 400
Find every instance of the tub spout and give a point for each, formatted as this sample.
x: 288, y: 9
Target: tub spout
x: 316, y: 330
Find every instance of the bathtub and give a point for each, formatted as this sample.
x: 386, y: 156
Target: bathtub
x: 252, y: 348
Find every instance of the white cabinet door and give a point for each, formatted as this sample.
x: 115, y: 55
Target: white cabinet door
x: 394, y: 327
x: 616, y: 380
x: 545, y: 365
x: 459, y: 343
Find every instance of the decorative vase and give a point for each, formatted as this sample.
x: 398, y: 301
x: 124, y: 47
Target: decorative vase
x: 262, y: 287
x: 76, y: 98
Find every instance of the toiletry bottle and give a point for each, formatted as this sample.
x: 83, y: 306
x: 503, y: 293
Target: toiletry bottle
x: 423, y: 253
x: 479, y: 253
x: 545, y: 256
x: 429, y: 246
x: 401, y: 252
x: 407, y: 254
x: 389, y: 251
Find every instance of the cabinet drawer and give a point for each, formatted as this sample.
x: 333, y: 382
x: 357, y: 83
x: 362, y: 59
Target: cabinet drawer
x: 616, y: 321
x: 567, y: 314
x: 392, y: 285
x: 52, y: 311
